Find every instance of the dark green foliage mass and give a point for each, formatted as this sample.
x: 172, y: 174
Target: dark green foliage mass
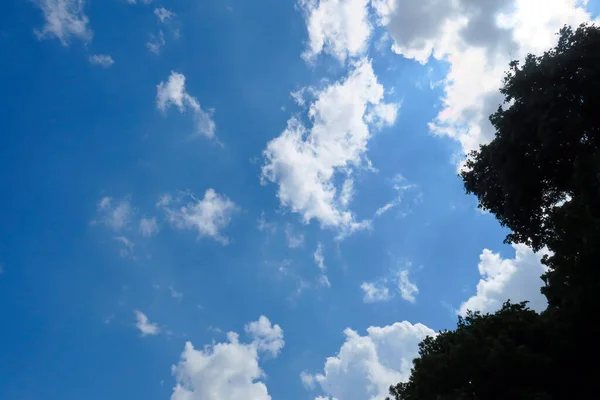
x: 540, y: 177
x: 476, y: 360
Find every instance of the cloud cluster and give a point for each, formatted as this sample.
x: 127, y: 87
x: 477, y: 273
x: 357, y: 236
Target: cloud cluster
x: 64, y: 20
x: 380, y: 290
x: 478, y: 39
x: 101, y: 60
x: 208, y: 216
x: 340, y: 28
x: 173, y: 93
x: 228, y: 370
x: 115, y: 215
x: 366, y: 366
x: 305, y: 162
x: 517, y: 279
x: 144, y: 325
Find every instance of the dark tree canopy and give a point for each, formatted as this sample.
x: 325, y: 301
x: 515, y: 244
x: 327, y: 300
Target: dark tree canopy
x: 546, y: 145
x: 540, y: 177
x: 478, y: 359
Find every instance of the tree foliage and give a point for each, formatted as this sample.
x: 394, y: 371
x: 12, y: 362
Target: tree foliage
x: 477, y: 359
x: 540, y: 177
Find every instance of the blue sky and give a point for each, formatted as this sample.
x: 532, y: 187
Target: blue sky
x: 274, y: 182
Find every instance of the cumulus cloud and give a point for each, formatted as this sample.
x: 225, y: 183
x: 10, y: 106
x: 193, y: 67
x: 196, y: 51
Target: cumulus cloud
x: 102, y: 60
x: 163, y: 14
x: 380, y: 289
x: 478, y: 39
x: 407, y: 289
x: 266, y: 337
x: 366, y: 366
x: 174, y: 93
x: 228, y: 370
x: 144, y: 325
x: 115, y: 215
x: 148, y: 227
x: 65, y: 19
x: 304, y: 162
x: 517, y: 279
x: 340, y: 28
x: 375, y: 292
x: 208, y: 216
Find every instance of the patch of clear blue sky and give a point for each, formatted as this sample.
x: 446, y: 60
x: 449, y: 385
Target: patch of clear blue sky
x: 72, y: 133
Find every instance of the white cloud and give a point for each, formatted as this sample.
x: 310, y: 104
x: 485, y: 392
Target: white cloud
x: 319, y: 258
x: 228, y: 370
x: 304, y: 161
x: 148, y: 227
x: 173, y: 92
x: 340, y: 28
x: 347, y: 192
x: 517, y: 279
x: 145, y: 327
x: 101, y: 60
x: 209, y: 215
x: 114, y: 215
x: 366, y: 366
x: 382, y: 210
x: 163, y: 14
x: 375, y: 292
x: 478, y: 39
x: 141, y: 1
x: 294, y: 240
x: 65, y: 19
x: 266, y: 337
x: 156, y: 42
x: 407, y: 289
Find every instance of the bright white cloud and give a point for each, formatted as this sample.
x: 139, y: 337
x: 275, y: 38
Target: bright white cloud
x: 163, y: 14
x: 478, y: 39
x: 304, y: 161
x: 209, y: 215
x: 144, y: 325
x: 517, y: 279
x: 294, y: 240
x: 65, y: 19
x: 366, y: 366
x: 407, y: 289
x: 228, y: 370
x: 148, y: 227
x: 375, y: 292
x: 266, y: 337
x: 173, y: 93
x: 101, y: 60
x: 340, y: 28
x: 114, y: 215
